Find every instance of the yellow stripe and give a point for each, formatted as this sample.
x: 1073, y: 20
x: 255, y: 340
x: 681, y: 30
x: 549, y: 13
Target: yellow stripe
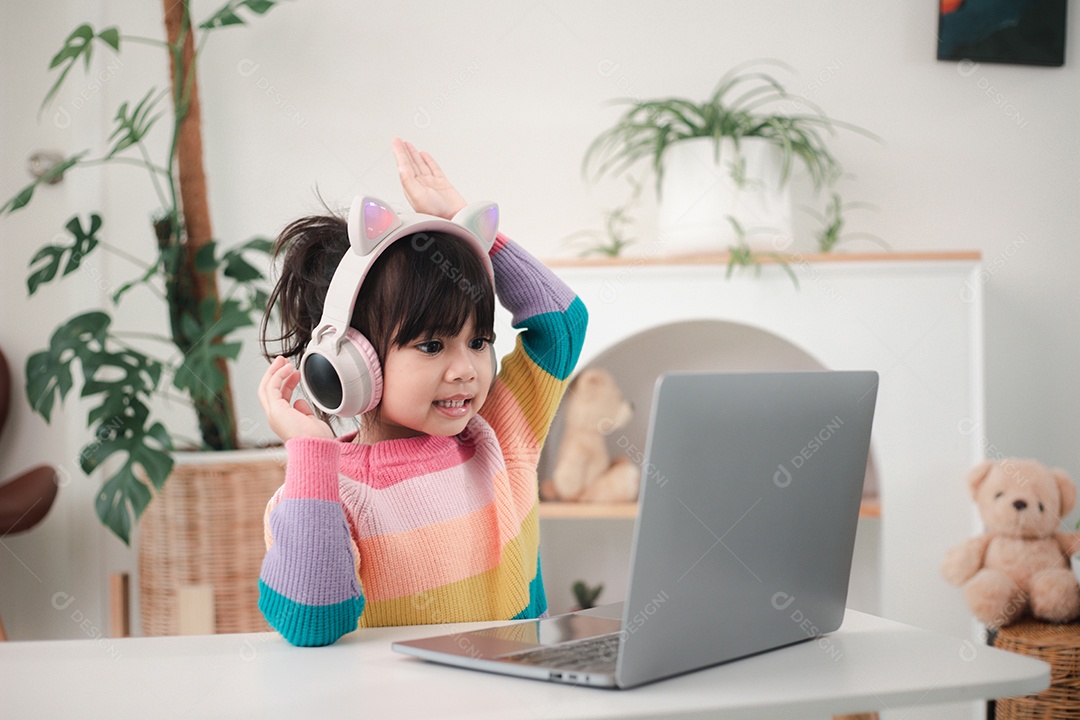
x: 537, y: 392
x: 496, y: 594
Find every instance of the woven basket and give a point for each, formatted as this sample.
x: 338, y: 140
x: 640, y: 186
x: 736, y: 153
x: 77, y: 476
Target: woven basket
x: 1058, y: 645
x: 206, y: 528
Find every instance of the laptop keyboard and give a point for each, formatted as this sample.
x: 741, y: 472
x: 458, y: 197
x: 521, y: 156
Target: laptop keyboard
x: 595, y: 654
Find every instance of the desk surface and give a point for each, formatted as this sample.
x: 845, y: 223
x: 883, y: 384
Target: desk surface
x: 870, y: 663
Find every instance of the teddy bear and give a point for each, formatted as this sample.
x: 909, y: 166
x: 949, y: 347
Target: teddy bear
x: 584, y: 470
x: 1021, y: 562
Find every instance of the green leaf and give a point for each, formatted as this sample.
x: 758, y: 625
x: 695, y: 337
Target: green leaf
x: 78, y: 44
x: 227, y: 15
x: 124, y: 380
x: 142, y: 279
x: 132, y: 128
x: 121, y: 500
x: 111, y: 37
x: 52, y: 255
x: 46, y: 380
x: 259, y: 7
x: 124, y: 496
x: 198, y: 374
x: 241, y: 270
x: 22, y: 198
x: 204, y: 259
x: 122, y: 374
x: 236, y: 265
x: 48, y: 373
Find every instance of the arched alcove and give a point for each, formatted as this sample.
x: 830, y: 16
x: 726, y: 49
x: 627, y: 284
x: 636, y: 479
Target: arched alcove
x: 697, y: 345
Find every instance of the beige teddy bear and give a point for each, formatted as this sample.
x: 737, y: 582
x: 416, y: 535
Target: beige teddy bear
x: 1021, y: 563
x: 593, y: 408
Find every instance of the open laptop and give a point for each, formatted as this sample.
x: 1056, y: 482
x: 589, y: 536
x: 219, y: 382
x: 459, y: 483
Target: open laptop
x: 750, y: 493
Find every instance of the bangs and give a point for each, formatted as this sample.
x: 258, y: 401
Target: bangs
x: 419, y: 289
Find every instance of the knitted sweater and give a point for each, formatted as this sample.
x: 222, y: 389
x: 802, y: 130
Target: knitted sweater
x: 428, y: 529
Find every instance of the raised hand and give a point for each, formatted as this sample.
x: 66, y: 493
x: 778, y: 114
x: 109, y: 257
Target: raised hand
x: 288, y: 419
x: 426, y: 187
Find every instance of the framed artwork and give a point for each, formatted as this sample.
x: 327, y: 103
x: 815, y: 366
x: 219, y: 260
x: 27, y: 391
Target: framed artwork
x: 1025, y: 32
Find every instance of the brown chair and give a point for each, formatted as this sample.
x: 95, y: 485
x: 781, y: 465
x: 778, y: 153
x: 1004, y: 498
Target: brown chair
x: 25, y: 499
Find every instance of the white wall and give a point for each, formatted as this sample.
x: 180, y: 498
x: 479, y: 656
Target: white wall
x: 508, y: 96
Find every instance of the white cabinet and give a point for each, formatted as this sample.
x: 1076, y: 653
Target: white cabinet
x: 916, y: 319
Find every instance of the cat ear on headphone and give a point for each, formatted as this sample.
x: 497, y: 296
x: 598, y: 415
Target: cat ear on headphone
x: 481, y: 219
x: 370, y: 220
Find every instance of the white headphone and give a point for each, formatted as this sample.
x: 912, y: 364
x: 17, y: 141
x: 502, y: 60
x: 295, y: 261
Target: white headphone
x: 339, y: 370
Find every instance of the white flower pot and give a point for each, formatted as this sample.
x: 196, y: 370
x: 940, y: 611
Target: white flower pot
x: 699, y: 194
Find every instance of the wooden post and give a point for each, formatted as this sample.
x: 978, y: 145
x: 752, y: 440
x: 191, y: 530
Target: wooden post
x: 218, y: 432
x: 119, y: 605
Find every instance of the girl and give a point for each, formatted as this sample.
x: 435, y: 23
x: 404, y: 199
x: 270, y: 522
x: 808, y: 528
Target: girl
x: 428, y: 513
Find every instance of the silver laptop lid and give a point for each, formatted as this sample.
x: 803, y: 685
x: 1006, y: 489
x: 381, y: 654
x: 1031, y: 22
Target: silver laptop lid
x: 750, y: 500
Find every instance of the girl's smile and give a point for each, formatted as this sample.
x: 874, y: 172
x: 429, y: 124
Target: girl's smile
x: 432, y: 386
x: 456, y: 406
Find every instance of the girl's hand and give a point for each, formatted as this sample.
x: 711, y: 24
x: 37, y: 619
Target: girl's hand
x: 426, y: 188
x: 288, y: 419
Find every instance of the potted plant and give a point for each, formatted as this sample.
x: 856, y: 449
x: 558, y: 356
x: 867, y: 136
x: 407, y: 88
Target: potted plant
x: 210, y: 292
x: 725, y: 162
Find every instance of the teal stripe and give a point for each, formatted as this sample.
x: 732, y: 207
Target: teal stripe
x: 554, y: 339
x: 537, y: 598
x: 308, y: 625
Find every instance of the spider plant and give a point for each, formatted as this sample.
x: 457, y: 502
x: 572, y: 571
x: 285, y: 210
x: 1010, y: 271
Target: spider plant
x: 618, y: 224
x: 741, y: 255
x: 748, y: 102
x: 832, y: 224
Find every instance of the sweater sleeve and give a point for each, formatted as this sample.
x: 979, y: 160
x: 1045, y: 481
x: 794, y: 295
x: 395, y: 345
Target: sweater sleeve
x: 533, y: 377
x: 309, y: 587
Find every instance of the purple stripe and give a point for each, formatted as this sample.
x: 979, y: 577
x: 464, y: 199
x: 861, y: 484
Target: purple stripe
x: 311, y: 560
x: 526, y: 286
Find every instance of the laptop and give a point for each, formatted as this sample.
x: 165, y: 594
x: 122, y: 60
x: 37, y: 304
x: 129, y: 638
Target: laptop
x: 750, y: 493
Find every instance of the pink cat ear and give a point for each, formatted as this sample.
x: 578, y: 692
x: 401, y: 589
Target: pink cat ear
x: 482, y: 219
x: 370, y: 220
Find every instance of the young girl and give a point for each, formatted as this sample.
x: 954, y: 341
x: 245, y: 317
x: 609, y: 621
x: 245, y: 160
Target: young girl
x: 428, y: 513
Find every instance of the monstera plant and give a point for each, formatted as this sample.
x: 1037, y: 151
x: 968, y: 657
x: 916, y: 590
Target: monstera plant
x: 210, y: 292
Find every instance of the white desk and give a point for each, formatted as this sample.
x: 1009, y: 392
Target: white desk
x: 870, y: 663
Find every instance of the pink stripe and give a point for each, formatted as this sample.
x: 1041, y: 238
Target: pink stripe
x: 431, y: 499
x: 391, y: 462
x: 320, y: 459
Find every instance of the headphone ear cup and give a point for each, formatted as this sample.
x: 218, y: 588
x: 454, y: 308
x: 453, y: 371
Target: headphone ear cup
x: 343, y: 380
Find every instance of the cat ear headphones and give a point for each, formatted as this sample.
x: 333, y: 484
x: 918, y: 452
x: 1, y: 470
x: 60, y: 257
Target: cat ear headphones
x: 339, y: 371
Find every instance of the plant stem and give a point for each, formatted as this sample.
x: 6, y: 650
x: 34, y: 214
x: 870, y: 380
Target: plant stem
x: 188, y: 288
x: 143, y: 336
x: 139, y: 39
x: 109, y: 247
x: 127, y: 161
x: 153, y: 177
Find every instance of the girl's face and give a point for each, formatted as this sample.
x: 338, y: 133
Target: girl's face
x: 434, y: 385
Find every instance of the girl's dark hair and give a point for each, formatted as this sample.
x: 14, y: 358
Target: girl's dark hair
x: 425, y: 285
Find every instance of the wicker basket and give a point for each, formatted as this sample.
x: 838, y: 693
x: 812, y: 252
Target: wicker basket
x: 1058, y: 645
x: 205, y: 528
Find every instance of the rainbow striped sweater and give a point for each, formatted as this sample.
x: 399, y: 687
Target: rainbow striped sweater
x: 428, y: 529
